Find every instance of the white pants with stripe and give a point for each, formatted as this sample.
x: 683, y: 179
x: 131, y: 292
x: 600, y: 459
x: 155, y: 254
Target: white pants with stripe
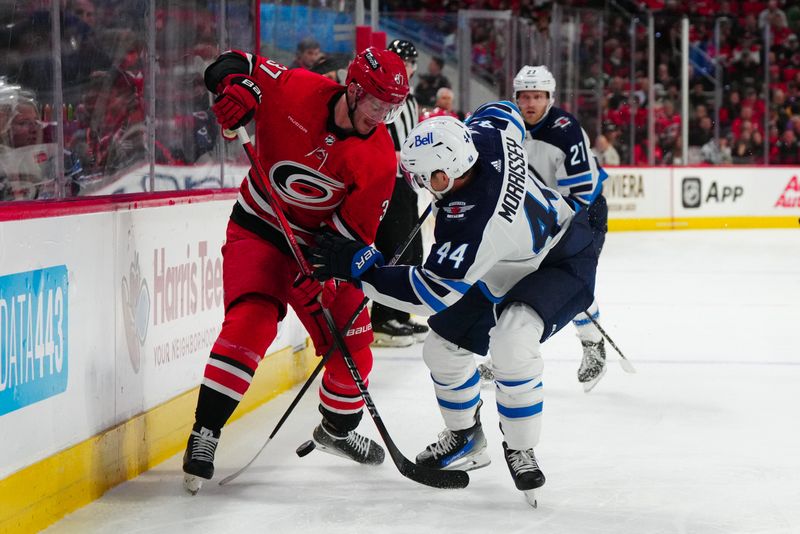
x: 517, y: 365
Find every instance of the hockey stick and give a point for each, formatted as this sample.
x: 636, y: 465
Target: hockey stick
x: 429, y: 477
x: 624, y: 362
x: 400, y: 250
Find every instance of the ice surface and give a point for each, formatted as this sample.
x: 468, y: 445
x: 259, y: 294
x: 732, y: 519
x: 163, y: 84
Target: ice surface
x: 705, y: 438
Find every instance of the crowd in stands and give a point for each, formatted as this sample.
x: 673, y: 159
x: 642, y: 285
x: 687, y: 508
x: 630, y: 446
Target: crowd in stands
x: 103, y: 112
x: 745, y: 122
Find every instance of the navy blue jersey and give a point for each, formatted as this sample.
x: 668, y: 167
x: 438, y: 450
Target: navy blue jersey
x: 492, y: 232
x: 559, y: 155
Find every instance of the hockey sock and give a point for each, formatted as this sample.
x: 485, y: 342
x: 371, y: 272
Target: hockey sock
x: 587, y: 331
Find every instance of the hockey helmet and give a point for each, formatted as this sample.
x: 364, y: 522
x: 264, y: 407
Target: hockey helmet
x: 405, y: 49
x: 536, y: 78
x: 437, y: 144
x: 382, y: 75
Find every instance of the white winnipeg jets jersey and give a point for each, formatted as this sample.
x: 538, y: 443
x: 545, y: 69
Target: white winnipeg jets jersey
x: 492, y: 232
x: 559, y: 155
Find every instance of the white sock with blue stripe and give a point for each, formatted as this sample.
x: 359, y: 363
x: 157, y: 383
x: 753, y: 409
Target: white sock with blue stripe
x: 587, y: 331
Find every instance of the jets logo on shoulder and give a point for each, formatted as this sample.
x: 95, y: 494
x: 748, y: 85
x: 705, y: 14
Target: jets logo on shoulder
x: 302, y: 186
x: 561, y: 122
x: 497, y: 165
x: 457, y: 209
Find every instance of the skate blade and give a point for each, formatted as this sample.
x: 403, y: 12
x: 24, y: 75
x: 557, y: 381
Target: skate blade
x: 192, y: 484
x: 383, y: 340
x: 470, y: 463
x: 530, y: 496
x: 589, y: 386
x: 336, y: 452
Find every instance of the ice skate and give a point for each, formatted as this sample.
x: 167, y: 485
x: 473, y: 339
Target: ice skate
x: 198, y: 460
x: 525, y: 471
x: 486, y: 372
x: 419, y: 331
x: 593, y: 365
x: 457, y: 449
x: 392, y: 333
x: 350, y: 445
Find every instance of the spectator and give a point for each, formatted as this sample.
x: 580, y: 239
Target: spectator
x: 702, y: 132
x: 605, y: 152
x: 717, y: 153
x: 308, y: 53
x: 444, y: 105
x: 787, y: 153
x: 772, y: 13
x: 27, y: 163
x: 431, y: 82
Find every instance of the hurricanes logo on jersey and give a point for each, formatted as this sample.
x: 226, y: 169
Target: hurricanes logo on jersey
x: 302, y: 186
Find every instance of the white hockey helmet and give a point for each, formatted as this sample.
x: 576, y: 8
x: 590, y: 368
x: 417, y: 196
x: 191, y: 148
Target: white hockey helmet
x: 536, y: 78
x: 437, y: 144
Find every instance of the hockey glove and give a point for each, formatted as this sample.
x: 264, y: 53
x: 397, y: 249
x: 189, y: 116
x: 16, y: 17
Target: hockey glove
x: 312, y: 294
x: 237, y: 98
x: 338, y: 257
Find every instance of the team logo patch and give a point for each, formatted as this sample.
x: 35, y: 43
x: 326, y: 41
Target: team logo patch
x: 330, y: 139
x: 457, y: 209
x: 561, y: 122
x: 302, y: 186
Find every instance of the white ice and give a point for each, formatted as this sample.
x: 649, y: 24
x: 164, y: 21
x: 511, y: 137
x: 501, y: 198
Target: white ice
x: 705, y: 438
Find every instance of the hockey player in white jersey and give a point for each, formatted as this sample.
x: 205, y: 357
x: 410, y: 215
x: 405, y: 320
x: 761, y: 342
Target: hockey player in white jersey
x: 510, y: 256
x: 559, y: 155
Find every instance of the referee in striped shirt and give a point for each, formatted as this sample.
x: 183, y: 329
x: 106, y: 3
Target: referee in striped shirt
x: 393, y: 328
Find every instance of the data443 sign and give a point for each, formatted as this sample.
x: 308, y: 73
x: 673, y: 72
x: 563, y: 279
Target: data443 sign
x: 33, y: 337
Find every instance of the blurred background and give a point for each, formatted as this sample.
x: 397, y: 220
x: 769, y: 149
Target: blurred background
x: 102, y: 97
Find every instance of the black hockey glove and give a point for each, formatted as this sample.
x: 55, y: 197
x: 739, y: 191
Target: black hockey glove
x: 338, y: 257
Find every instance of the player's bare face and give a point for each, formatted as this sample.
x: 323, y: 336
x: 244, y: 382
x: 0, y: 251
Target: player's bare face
x: 532, y: 104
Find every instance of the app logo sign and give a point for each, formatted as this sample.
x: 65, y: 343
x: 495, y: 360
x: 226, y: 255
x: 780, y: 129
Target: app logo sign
x: 691, y: 194
x: 34, y: 329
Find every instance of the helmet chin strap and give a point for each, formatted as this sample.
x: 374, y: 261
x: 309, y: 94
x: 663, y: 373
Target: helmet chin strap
x: 351, y: 110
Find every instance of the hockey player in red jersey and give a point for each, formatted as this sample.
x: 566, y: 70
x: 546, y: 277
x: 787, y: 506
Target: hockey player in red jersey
x: 331, y: 162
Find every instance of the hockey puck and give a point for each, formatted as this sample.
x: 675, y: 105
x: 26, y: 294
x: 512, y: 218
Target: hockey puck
x: 305, y: 448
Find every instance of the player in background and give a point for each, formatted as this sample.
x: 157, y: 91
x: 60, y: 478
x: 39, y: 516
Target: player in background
x: 510, y: 256
x: 394, y: 328
x: 331, y: 163
x: 559, y: 155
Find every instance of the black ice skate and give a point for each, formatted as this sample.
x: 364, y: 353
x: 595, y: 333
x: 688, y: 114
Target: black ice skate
x: 393, y: 333
x: 525, y: 471
x: 350, y: 445
x: 198, y: 460
x: 593, y: 365
x: 419, y: 331
x: 457, y: 449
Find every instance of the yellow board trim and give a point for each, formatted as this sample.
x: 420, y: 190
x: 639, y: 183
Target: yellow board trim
x: 702, y: 223
x: 46, y: 491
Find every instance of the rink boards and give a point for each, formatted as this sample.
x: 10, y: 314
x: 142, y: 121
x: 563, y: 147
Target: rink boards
x: 664, y: 198
x: 108, y: 310
x: 107, y: 315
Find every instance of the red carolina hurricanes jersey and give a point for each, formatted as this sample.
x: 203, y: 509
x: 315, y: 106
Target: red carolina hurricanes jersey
x: 320, y: 174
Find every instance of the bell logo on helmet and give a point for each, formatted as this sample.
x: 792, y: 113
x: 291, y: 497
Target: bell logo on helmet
x: 423, y: 140
x: 373, y: 63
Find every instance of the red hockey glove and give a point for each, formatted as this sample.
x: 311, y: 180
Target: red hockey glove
x: 312, y: 293
x: 237, y: 98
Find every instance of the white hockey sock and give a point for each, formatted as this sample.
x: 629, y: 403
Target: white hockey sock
x: 587, y: 331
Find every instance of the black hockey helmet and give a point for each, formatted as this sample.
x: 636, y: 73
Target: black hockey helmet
x: 405, y: 49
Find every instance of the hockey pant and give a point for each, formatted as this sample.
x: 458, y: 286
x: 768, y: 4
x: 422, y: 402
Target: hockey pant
x: 517, y: 364
x: 258, y: 284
